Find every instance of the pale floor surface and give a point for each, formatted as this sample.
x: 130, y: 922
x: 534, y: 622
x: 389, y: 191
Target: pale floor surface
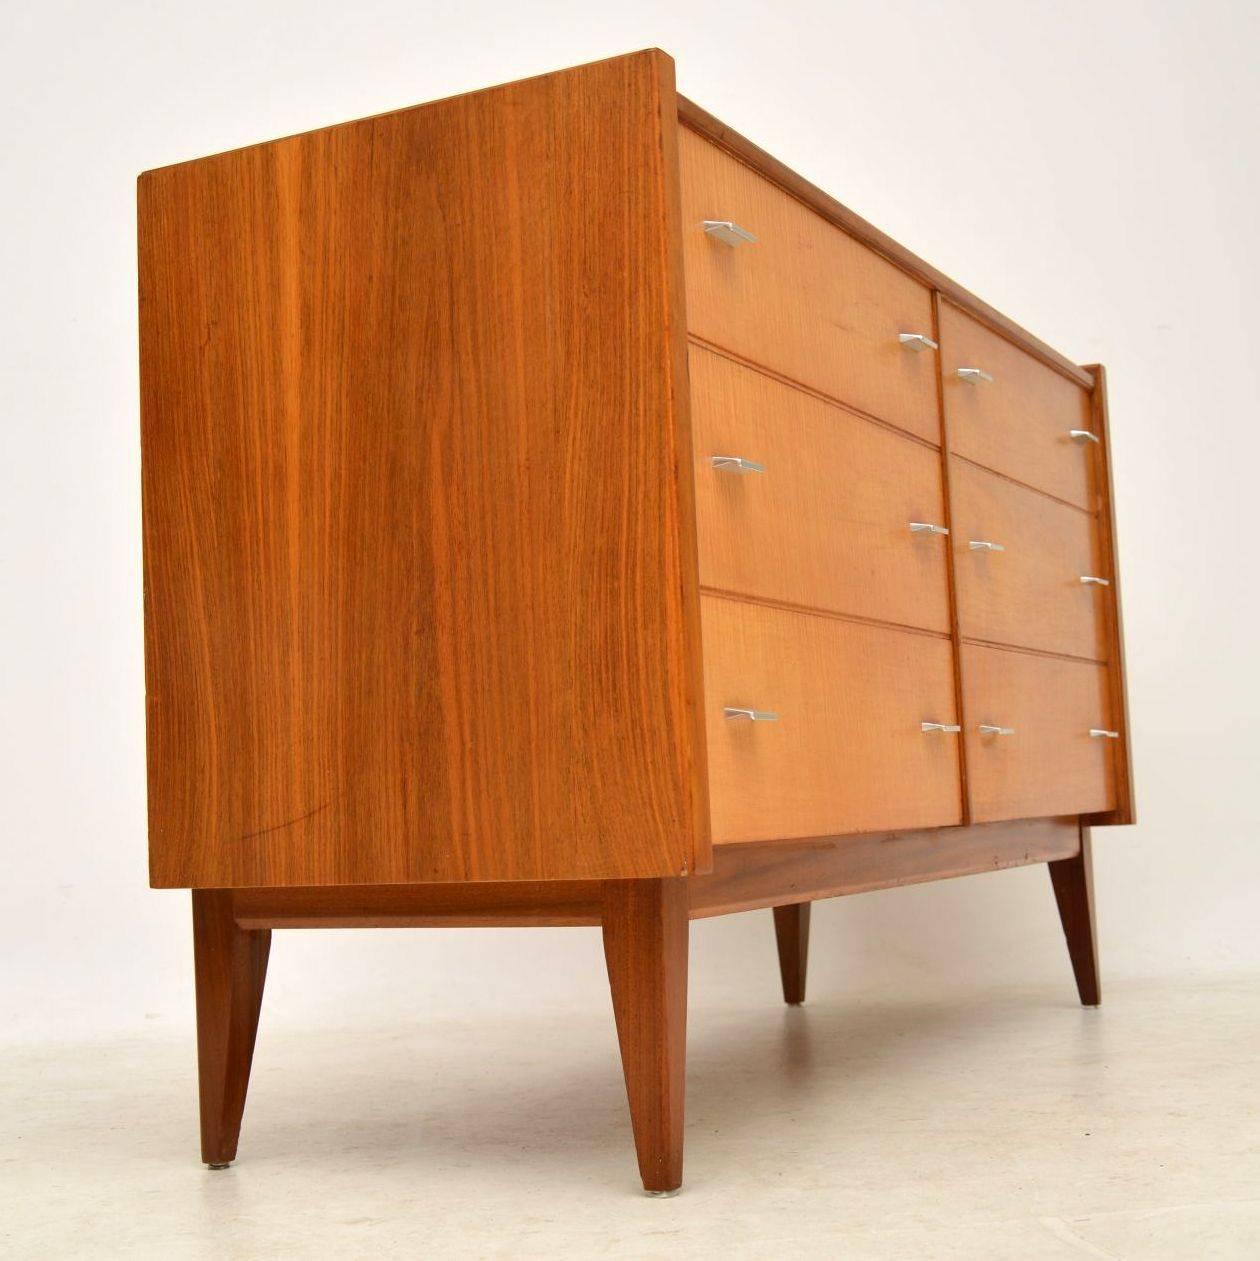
x: 1002, y: 1125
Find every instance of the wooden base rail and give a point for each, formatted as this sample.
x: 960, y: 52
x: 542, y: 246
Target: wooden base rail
x: 644, y: 924
x: 745, y: 877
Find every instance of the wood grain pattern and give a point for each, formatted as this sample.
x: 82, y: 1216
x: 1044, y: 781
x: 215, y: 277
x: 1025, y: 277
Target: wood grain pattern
x: 826, y: 525
x: 777, y: 873
x: 645, y: 926
x: 1125, y: 810
x: 1031, y: 594
x: 791, y: 935
x: 847, y: 753
x: 806, y: 300
x: 1073, y: 882
x: 1051, y: 765
x: 231, y: 967
x: 717, y: 132
x: 419, y: 597
x: 1017, y: 424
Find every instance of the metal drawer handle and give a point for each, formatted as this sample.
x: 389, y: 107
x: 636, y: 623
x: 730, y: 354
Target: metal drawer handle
x: 1099, y: 734
x: 926, y: 527
x: 983, y: 545
x: 948, y: 728
x: 917, y: 341
x: 987, y: 730
x: 1083, y: 435
x: 974, y: 375
x: 753, y: 715
x: 1090, y: 581
x: 728, y: 233
x: 737, y: 464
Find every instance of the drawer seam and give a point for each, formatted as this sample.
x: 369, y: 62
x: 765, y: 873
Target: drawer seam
x: 1006, y: 477
x: 696, y: 340
x: 810, y: 610
x: 1032, y: 652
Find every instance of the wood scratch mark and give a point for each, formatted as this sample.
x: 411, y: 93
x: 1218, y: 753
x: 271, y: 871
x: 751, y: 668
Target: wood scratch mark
x: 301, y: 818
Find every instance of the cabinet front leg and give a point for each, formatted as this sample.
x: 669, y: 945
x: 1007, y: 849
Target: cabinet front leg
x: 231, y: 966
x: 791, y: 931
x: 1073, y: 880
x: 645, y: 944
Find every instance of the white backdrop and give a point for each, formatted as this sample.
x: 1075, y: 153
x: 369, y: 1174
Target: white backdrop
x: 1089, y: 168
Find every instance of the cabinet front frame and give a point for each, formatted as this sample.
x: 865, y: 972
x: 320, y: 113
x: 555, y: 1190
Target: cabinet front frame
x: 1091, y: 378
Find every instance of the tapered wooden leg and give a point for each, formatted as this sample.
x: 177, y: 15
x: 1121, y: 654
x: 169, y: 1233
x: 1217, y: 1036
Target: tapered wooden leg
x: 1073, y: 880
x: 645, y: 945
x: 231, y: 966
x: 791, y: 931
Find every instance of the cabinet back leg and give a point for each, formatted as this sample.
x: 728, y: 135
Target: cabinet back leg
x: 791, y: 932
x: 646, y: 928
x: 1073, y: 880
x: 231, y: 967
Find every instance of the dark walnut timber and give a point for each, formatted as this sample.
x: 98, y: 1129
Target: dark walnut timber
x: 646, y: 928
x: 231, y: 967
x: 791, y: 931
x: 1073, y: 880
x: 558, y: 512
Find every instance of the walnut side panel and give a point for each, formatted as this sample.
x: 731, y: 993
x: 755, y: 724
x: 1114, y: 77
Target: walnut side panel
x: 420, y: 599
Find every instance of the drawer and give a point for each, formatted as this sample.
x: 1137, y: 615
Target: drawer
x: 1030, y: 593
x: 1050, y: 764
x: 804, y: 299
x: 1020, y: 422
x: 826, y: 525
x: 847, y: 753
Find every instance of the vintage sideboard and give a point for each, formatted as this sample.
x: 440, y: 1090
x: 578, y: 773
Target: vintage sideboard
x: 557, y: 511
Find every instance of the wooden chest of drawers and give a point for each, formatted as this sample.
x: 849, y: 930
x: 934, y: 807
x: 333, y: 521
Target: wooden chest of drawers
x: 557, y: 511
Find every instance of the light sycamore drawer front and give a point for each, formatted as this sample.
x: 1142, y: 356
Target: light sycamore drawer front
x: 819, y: 512
x: 1019, y: 422
x: 1041, y: 759
x: 847, y: 752
x: 803, y: 299
x: 1030, y: 592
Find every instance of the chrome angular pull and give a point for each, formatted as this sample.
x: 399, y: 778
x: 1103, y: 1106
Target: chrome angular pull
x: 753, y: 715
x: 1083, y: 435
x: 728, y: 233
x: 926, y: 527
x: 737, y: 464
x: 917, y: 341
x: 974, y: 375
x: 1099, y: 734
x: 987, y: 729
x: 983, y: 545
x: 1090, y: 581
x: 947, y: 728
